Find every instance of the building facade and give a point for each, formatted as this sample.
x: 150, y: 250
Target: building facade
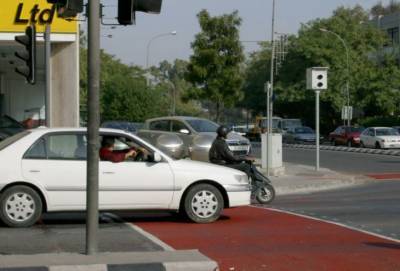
x: 25, y: 102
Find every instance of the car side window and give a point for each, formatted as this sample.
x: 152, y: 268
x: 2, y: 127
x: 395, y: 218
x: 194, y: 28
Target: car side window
x: 66, y: 147
x: 37, y: 150
x: 337, y: 131
x: 371, y: 132
x: 160, y: 125
x: 178, y: 125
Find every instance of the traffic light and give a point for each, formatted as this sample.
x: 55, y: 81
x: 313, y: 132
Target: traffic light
x: 128, y: 8
x: 317, y: 78
x: 67, y: 8
x: 28, y: 55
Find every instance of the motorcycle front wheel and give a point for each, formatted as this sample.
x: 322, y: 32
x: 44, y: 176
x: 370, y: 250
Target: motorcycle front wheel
x: 265, y: 194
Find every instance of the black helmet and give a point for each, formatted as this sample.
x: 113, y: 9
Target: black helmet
x: 222, y: 131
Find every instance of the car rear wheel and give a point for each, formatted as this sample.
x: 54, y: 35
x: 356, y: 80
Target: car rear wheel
x: 203, y: 203
x: 362, y: 144
x: 20, y: 206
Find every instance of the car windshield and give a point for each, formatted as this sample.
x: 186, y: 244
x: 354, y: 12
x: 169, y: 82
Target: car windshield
x: 6, y: 122
x: 275, y: 123
x: 203, y: 126
x: 303, y: 130
x: 356, y: 129
x: 290, y: 123
x: 10, y: 140
x: 386, y: 132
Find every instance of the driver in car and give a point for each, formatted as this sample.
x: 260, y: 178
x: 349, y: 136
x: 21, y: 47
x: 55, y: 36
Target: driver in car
x: 107, y: 152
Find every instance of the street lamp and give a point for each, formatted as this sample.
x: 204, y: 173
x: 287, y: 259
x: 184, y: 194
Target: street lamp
x: 172, y: 33
x: 348, y: 69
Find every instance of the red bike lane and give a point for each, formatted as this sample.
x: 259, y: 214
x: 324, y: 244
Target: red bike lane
x: 252, y: 238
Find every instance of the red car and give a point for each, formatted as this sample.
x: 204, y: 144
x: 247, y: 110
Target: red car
x: 346, y: 135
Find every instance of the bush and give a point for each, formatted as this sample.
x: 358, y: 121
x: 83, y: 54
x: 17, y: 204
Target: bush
x: 380, y: 121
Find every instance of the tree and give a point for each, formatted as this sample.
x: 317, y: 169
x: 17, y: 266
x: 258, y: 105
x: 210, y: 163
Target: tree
x: 374, y: 76
x: 380, y: 9
x: 214, y: 67
x: 171, y: 76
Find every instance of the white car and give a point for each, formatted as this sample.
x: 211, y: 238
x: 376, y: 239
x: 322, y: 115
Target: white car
x: 44, y: 170
x: 380, y: 138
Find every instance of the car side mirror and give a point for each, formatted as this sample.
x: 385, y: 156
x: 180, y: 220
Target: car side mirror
x: 184, y: 131
x: 157, y: 157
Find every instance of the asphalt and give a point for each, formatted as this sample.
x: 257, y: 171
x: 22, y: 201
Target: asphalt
x: 156, y: 255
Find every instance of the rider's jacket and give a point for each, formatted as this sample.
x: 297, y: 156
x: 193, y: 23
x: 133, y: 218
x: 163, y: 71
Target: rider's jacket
x: 221, y: 154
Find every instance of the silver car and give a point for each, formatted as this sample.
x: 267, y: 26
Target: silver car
x: 197, y: 135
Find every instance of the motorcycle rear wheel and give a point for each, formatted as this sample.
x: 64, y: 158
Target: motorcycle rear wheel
x: 265, y: 194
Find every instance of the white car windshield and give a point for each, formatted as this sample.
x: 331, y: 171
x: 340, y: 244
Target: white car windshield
x: 203, y: 126
x: 386, y: 132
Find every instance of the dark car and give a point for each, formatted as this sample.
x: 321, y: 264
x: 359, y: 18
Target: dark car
x: 301, y: 135
x: 131, y: 127
x: 9, y: 127
x: 346, y: 135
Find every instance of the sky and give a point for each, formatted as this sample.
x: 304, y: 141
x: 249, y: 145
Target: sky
x: 130, y: 43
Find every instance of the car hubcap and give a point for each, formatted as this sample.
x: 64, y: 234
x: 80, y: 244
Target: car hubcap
x: 265, y: 194
x: 204, y: 204
x: 20, y: 207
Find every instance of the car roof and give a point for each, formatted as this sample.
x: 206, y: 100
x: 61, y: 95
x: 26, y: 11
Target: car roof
x: 44, y: 130
x: 176, y: 118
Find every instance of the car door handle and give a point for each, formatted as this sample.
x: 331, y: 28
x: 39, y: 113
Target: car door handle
x: 108, y: 172
x: 34, y: 171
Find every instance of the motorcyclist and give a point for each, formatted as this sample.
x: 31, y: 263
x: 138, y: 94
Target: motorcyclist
x: 221, y: 154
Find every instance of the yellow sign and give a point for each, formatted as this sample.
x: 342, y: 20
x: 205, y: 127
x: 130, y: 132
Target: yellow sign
x: 16, y: 15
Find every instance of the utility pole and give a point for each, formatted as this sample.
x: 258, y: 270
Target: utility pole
x: 92, y: 200
x: 270, y: 94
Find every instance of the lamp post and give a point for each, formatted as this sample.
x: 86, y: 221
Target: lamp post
x: 172, y: 33
x: 348, y: 70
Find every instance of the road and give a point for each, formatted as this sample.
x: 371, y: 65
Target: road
x: 348, y: 162
x: 374, y: 207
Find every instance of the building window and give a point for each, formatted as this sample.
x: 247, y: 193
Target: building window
x: 393, y: 35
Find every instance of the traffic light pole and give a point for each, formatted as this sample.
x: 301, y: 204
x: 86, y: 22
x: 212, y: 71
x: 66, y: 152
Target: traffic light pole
x: 270, y: 102
x: 92, y: 198
x: 47, y: 42
x: 317, y: 92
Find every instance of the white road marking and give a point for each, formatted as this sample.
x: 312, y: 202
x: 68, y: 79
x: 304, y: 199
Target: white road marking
x: 141, y: 231
x: 330, y: 222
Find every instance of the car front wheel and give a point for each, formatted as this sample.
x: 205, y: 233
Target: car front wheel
x: 203, y: 203
x: 20, y: 206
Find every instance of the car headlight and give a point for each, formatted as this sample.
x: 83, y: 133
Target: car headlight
x: 242, y: 178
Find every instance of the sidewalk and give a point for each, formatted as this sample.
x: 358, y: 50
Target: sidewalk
x: 297, y: 179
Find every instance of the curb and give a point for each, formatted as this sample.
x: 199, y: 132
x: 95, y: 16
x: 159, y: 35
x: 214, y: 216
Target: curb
x: 180, y: 260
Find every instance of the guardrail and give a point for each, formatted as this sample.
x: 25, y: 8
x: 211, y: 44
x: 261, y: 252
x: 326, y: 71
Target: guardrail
x: 338, y: 148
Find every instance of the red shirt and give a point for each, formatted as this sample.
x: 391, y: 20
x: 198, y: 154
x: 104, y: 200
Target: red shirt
x: 112, y: 156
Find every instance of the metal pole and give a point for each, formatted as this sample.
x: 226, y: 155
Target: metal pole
x: 270, y: 103
x: 317, y: 129
x: 92, y: 199
x: 47, y: 101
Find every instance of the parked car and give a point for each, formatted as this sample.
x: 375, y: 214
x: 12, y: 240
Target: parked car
x: 287, y: 124
x: 197, y: 135
x: 9, y: 127
x: 299, y: 135
x: 346, y: 135
x: 44, y: 170
x: 241, y: 129
x: 131, y: 127
x: 380, y: 137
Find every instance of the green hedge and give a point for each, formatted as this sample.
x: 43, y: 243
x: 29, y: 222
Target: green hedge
x: 380, y: 121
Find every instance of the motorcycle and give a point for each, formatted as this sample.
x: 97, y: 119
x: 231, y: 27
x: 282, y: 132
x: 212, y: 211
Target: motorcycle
x: 261, y: 187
